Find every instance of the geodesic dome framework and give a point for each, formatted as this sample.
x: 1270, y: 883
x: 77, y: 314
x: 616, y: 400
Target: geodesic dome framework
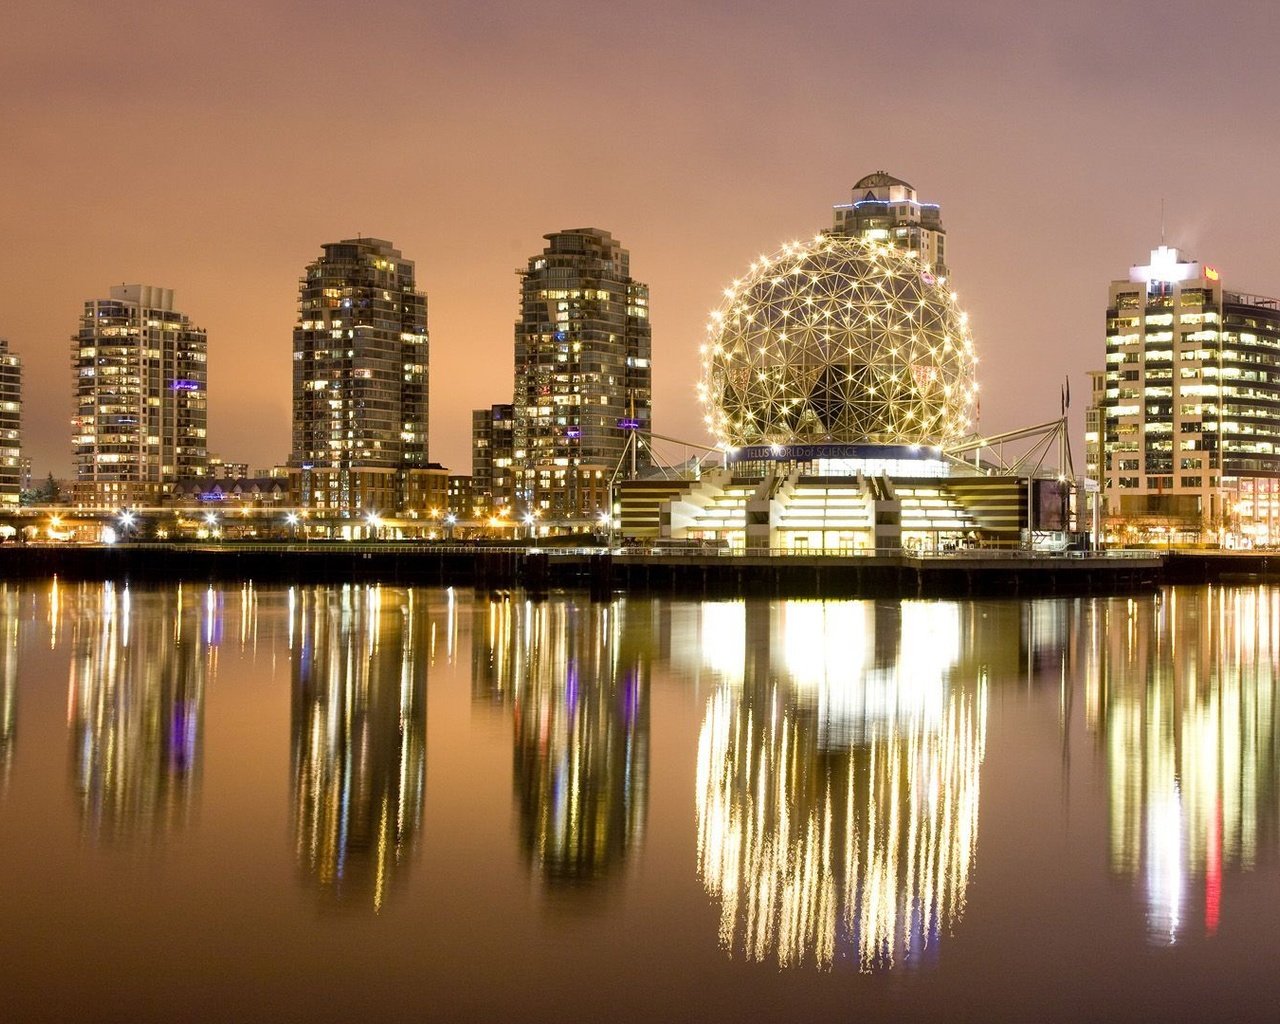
x: 839, y: 340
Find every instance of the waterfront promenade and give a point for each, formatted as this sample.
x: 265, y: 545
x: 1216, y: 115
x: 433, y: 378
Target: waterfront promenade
x: 601, y: 570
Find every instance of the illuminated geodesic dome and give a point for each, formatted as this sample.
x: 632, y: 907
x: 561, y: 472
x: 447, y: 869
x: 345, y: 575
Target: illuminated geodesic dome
x: 842, y: 341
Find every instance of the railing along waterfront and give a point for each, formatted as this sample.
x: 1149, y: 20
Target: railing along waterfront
x: 625, y: 551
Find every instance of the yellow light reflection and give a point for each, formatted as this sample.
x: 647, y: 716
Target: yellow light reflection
x: 837, y: 791
x: 1184, y: 696
x: 576, y: 682
x: 135, y: 707
x: 359, y: 738
x: 8, y: 680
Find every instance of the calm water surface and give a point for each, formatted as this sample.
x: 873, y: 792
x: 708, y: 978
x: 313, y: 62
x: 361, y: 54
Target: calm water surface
x: 372, y: 803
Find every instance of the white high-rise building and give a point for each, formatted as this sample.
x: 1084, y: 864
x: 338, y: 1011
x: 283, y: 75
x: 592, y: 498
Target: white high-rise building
x: 140, y: 383
x: 1191, y: 411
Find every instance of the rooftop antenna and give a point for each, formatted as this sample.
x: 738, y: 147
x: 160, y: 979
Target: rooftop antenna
x: 1162, y: 220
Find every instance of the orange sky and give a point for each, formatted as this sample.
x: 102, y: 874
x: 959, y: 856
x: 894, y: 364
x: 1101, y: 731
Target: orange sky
x: 213, y: 147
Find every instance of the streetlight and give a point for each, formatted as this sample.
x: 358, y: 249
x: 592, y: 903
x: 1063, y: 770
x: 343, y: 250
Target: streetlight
x: 211, y: 518
x: 449, y: 521
x: 292, y: 519
x: 374, y: 521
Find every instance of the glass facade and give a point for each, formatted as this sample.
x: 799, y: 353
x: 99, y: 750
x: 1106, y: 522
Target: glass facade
x: 141, y: 391
x: 360, y: 379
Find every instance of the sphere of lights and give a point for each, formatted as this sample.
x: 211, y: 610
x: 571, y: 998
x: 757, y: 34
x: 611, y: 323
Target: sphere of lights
x: 838, y: 341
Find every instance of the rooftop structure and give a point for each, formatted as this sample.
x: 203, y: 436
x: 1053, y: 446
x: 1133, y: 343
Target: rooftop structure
x: 885, y: 209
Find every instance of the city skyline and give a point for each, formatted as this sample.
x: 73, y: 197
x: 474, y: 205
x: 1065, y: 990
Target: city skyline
x: 695, y: 180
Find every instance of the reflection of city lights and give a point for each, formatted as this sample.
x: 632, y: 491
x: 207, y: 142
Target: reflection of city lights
x: 579, y: 701
x: 136, y: 706
x: 8, y: 679
x: 838, y: 814
x: 722, y: 639
x: 1185, y: 697
x: 359, y: 735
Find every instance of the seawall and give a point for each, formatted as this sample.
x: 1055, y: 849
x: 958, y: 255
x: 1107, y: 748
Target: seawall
x: 601, y: 571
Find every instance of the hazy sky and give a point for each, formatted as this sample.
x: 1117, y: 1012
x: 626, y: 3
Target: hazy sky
x: 213, y: 147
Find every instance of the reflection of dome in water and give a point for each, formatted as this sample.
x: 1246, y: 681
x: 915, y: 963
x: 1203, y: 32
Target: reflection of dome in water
x: 838, y: 340
x: 837, y: 813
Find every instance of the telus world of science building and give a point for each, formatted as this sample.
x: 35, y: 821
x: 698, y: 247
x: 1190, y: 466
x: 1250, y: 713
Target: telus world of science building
x: 839, y: 380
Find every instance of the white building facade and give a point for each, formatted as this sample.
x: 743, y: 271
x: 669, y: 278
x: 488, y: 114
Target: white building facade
x: 1191, y: 411
x: 141, y: 391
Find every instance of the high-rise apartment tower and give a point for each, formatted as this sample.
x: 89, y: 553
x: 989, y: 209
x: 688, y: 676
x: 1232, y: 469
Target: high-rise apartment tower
x: 582, y: 373
x: 360, y: 378
x: 492, y: 432
x: 141, y: 381
x: 10, y: 426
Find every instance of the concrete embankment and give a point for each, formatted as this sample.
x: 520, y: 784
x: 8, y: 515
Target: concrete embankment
x: 601, y: 572
x: 1222, y: 567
